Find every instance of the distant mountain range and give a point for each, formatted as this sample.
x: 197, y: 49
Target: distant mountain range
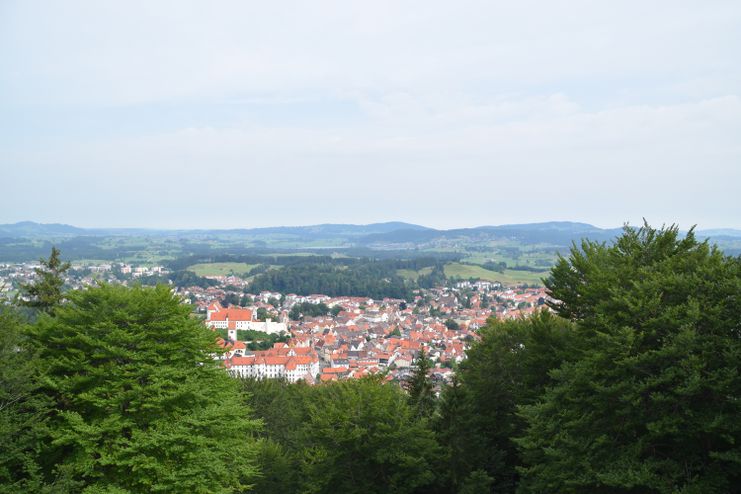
x: 31, y: 229
x: 556, y: 232
x: 374, y: 233
x: 26, y: 229
x: 28, y: 240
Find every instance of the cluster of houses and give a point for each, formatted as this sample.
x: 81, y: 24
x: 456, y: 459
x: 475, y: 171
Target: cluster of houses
x: 364, y: 336
x: 15, y: 275
x: 359, y: 337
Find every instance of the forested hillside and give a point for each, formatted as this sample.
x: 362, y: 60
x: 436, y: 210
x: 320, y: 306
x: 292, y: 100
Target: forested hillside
x: 364, y: 278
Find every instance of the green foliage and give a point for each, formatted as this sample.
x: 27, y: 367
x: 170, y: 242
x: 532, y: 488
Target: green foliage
x: 357, y: 436
x: 23, y: 412
x: 251, y: 335
x: 354, y: 278
x: 454, y: 430
x: 419, y: 386
x: 498, y: 267
x: 476, y: 483
x: 183, y: 279
x: 452, y: 325
x: 141, y: 405
x: 257, y: 340
x: 436, y: 312
x: 307, y: 309
x: 263, y: 344
x: 278, y: 471
x: 510, y: 366
x: 434, y: 279
x: 45, y: 293
x: 282, y: 408
x: 366, y: 439
x: 262, y: 314
x: 231, y: 299
x: 651, y: 404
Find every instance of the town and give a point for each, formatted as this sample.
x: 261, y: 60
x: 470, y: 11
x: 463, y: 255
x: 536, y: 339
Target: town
x: 317, y: 338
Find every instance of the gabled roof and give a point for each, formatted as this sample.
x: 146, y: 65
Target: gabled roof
x: 233, y: 314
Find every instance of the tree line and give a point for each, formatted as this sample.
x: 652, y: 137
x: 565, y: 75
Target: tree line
x: 305, y: 275
x: 374, y: 279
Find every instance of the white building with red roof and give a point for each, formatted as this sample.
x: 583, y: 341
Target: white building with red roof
x: 280, y: 362
x: 235, y: 318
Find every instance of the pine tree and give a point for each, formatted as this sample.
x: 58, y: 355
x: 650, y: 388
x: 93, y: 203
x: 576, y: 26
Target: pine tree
x: 45, y: 293
x: 460, y: 441
x: 477, y: 482
x: 419, y: 386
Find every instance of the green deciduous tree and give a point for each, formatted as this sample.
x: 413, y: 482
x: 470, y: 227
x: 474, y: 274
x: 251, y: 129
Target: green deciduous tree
x: 283, y: 409
x: 652, y: 402
x: 279, y: 469
x: 262, y: 314
x: 452, y: 325
x: 351, y: 437
x: 23, y: 412
x: 142, y: 406
x: 366, y: 439
x: 510, y: 366
x: 45, y: 293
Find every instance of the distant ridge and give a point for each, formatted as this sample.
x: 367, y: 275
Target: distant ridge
x: 31, y: 229
x: 391, y: 231
x: 28, y: 240
x: 554, y: 232
x: 326, y: 228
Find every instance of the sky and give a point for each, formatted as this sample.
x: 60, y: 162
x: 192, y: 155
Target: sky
x: 236, y: 114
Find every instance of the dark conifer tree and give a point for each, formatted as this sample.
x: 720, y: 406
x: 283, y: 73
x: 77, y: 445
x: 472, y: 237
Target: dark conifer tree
x: 420, y: 388
x: 45, y: 293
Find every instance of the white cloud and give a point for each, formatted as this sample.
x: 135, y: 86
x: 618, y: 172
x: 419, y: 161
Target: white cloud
x: 443, y: 113
x: 130, y: 52
x: 606, y: 167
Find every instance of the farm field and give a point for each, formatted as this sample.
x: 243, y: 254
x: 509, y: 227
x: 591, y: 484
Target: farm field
x: 411, y: 274
x: 509, y: 276
x: 221, y: 268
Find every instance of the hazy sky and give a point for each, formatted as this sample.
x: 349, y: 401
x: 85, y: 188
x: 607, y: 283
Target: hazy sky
x: 245, y: 113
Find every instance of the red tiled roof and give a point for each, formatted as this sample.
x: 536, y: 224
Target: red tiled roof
x: 233, y: 314
x: 335, y: 370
